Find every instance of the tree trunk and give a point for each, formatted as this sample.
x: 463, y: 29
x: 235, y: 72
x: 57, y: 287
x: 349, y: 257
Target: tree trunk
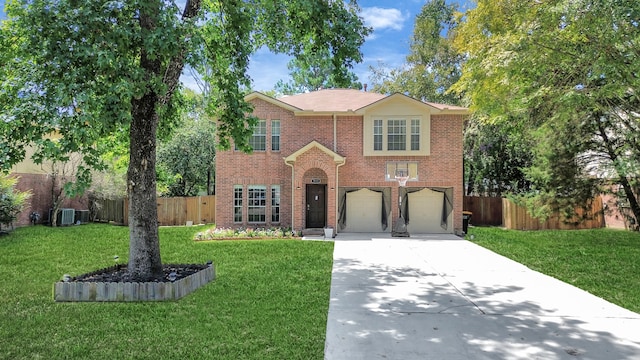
x: 626, y: 186
x: 144, y: 244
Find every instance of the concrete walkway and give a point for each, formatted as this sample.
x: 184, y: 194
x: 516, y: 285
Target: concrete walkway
x: 441, y: 297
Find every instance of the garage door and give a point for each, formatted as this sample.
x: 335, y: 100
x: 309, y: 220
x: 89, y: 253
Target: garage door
x: 425, y: 213
x: 364, y: 210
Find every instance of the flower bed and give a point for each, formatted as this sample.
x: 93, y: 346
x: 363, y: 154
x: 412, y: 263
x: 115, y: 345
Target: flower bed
x: 245, y: 233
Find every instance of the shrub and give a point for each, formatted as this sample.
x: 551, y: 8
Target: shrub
x: 245, y: 233
x: 11, y: 201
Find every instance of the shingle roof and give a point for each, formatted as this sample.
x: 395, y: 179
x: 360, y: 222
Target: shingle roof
x: 332, y: 100
x: 343, y: 100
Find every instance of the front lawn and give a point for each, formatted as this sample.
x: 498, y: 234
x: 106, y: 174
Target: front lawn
x: 604, y: 262
x: 269, y: 301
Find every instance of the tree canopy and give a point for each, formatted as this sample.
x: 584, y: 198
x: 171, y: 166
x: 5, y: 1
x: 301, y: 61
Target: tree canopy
x: 569, y: 72
x: 314, y: 73
x: 88, y: 70
x: 433, y: 64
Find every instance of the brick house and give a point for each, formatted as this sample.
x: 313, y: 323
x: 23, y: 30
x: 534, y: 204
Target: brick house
x: 330, y: 158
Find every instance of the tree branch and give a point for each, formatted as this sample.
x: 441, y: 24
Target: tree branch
x: 176, y: 64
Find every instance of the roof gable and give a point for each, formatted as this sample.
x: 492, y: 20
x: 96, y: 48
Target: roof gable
x: 314, y: 144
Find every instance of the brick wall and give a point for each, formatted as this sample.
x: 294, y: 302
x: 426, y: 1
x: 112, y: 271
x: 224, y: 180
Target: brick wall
x: 41, y: 200
x: 443, y: 168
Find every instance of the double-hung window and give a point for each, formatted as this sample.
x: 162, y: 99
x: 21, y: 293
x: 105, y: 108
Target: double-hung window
x: 415, y: 134
x: 256, y: 209
x: 396, y: 134
x: 377, y: 134
x: 275, y: 203
x: 275, y: 135
x: 258, y: 140
x: 237, y: 203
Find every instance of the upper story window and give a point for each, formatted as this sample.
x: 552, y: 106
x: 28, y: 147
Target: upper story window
x: 415, y: 134
x: 258, y: 140
x: 377, y: 134
x: 275, y: 135
x: 396, y: 135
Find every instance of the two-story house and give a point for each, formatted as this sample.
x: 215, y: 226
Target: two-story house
x: 331, y: 157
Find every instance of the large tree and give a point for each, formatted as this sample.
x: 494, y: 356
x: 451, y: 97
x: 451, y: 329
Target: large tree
x: 433, y: 64
x: 569, y: 71
x: 88, y: 69
x: 314, y: 73
x: 187, y: 159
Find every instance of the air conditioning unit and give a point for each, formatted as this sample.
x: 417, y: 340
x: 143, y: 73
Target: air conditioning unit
x: 66, y: 217
x: 82, y: 216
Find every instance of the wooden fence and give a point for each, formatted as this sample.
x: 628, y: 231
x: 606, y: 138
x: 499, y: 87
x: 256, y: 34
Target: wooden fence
x: 487, y: 211
x: 517, y: 217
x: 171, y: 211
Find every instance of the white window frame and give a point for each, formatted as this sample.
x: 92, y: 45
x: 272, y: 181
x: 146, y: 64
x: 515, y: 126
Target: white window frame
x: 420, y: 132
x: 275, y: 203
x: 275, y: 136
x: 411, y: 167
x: 237, y: 203
x: 257, y: 204
x: 259, y: 132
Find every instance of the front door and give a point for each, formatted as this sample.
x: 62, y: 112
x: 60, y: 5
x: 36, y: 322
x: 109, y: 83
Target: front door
x: 316, y: 205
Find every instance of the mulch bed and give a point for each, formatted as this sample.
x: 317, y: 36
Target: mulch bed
x: 119, y: 273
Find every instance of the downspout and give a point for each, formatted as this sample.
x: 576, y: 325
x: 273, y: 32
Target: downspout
x: 293, y: 194
x: 335, y: 133
x: 336, y: 190
x: 335, y: 150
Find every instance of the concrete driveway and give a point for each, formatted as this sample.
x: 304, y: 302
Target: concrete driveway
x: 441, y: 297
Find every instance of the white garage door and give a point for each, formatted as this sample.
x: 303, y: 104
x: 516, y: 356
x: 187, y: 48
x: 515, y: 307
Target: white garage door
x: 364, y: 210
x: 425, y: 213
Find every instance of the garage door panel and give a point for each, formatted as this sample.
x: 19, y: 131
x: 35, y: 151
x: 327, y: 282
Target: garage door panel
x: 425, y: 212
x: 364, y: 211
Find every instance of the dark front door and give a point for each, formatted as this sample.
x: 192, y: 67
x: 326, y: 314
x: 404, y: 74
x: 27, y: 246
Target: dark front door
x: 316, y: 206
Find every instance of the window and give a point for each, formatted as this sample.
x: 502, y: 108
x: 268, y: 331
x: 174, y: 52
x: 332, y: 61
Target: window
x: 275, y: 203
x: 237, y: 203
x: 396, y: 134
x: 275, y: 135
x: 415, y: 134
x: 256, y: 210
x: 409, y: 168
x: 258, y: 140
x: 377, y: 134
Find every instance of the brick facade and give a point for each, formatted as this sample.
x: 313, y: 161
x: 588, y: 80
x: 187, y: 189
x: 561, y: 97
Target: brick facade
x: 41, y: 199
x: 442, y: 168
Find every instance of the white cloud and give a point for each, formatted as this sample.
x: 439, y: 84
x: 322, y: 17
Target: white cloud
x: 380, y: 18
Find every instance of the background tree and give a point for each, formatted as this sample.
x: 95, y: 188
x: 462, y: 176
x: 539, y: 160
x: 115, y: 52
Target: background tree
x: 433, y: 64
x: 495, y: 158
x: 569, y: 71
x: 88, y: 70
x: 187, y: 160
x: 314, y: 72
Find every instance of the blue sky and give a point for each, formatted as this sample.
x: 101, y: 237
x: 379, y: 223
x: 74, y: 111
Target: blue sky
x: 392, y: 22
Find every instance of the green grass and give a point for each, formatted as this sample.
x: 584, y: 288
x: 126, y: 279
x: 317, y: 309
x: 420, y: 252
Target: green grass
x: 269, y: 301
x: 604, y: 262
